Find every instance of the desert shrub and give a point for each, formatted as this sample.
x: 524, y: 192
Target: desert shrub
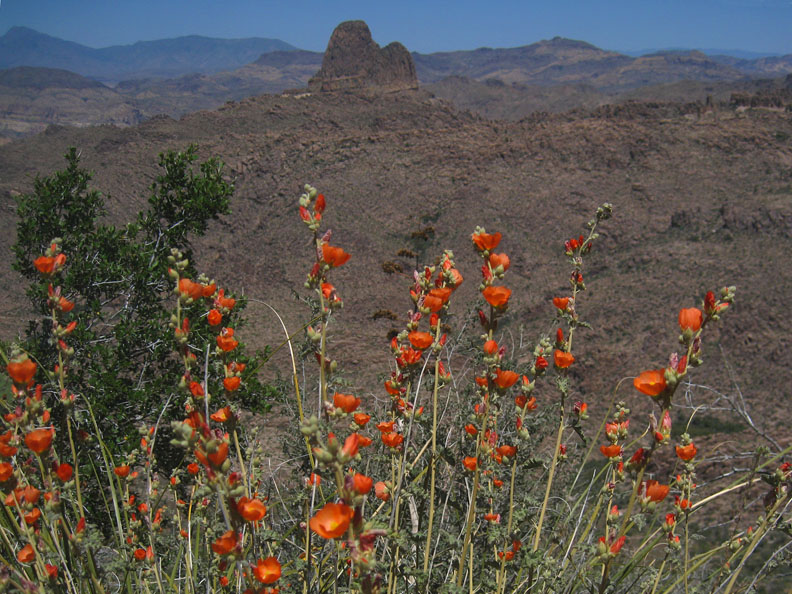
x: 499, y: 482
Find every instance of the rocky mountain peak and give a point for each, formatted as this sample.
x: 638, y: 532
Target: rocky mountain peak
x: 353, y: 60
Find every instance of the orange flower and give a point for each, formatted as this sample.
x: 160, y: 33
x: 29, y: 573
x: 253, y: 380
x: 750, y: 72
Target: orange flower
x: 386, y: 426
x: 563, y: 359
x: 49, y: 265
x: 196, y: 389
x: 420, y: 340
x: 496, y: 260
x: 267, y: 570
x: 346, y: 402
x: 486, y: 241
x: 251, y: 510
x: 216, y: 458
x: 508, y: 451
x: 392, y: 440
x: 32, y: 516
x: 22, y: 371
x: 654, y: 491
x: 351, y: 445
x: 225, y: 543
x: 232, y: 383
x: 122, y: 471
x: 225, y: 340
x: 39, y: 440
x: 223, y: 301
x: 505, y: 379
x: 611, y: 451
x: 561, y: 303
x: 686, y: 453
x: 333, y: 256
x: 381, y: 491
x: 332, y: 520
x: 690, y: 319
x: 361, y: 483
x: 6, y: 471
x: 651, y: 382
x: 497, y: 296
x: 26, y: 554
x: 214, y: 318
x: 361, y: 419
x: 190, y: 289
x: 490, y: 347
x: 223, y: 415
x: 470, y: 462
x: 470, y: 429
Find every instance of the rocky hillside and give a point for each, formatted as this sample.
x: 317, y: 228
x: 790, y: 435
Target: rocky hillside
x: 702, y: 198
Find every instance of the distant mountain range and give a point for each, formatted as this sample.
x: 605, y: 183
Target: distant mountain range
x: 164, y: 58
x: 547, y: 62
x: 50, y: 81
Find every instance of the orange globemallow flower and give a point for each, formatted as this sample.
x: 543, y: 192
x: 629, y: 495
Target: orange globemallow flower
x: 486, y: 241
x: 651, y: 382
x: 252, y: 510
x: 332, y: 520
x: 392, y: 440
x: 687, y: 453
x: 225, y: 340
x: 122, y: 471
x: 26, y: 554
x: 497, y: 296
x: 420, y: 340
x: 508, y: 451
x: 654, y: 491
x: 333, y: 256
x: 361, y: 483
x: 496, y: 260
x: 490, y: 347
x: 225, y: 543
x: 346, y: 402
x: 381, y: 491
x: 49, y: 265
x: 39, y: 440
x: 232, y: 383
x: 505, y: 379
x: 6, y: 471
x: 561, y: 303
x: 563, y: 359
x: 690, y: 319
x: 190, y: 289
x: 611, y: 451
x: 267, y: 571
x: 214, y: 317
x: 470, y: 462
x: 361, y: 419
x: 223, y: 415
x: 22, y: 372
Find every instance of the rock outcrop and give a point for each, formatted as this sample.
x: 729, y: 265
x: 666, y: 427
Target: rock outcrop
x: 354, y: 61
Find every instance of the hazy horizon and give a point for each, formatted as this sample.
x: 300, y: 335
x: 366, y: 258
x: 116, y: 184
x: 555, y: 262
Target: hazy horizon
x: 753, y: 26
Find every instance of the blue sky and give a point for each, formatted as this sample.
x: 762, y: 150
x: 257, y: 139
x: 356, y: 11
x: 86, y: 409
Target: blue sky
x: 424, y: 26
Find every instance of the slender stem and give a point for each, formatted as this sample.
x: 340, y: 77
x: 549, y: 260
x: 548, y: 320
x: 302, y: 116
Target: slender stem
x: 433, y: 460
x: 559, y: 438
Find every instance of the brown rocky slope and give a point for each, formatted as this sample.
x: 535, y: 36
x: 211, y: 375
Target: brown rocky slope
x: 701, y: 200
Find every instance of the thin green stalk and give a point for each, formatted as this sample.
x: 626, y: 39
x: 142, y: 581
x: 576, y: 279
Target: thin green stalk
x: 559, y: 439
x: 433, y: 460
